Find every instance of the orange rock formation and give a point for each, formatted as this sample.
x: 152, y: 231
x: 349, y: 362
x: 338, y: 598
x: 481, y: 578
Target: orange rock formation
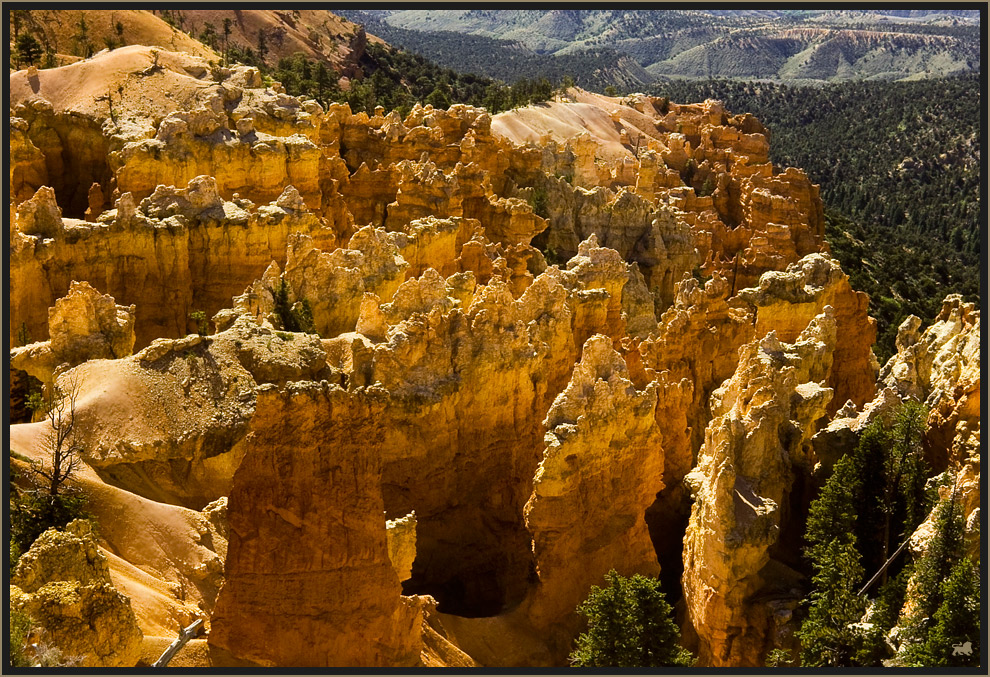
x: 595, y: 334
x: 764, y: 417
x: 601, y: 470
x: 309, y: 580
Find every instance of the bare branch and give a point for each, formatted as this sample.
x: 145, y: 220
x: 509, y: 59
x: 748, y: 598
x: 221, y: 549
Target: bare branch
x: 61, y: 448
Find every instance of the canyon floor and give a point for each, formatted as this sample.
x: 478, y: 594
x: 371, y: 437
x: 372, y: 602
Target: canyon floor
x: 364, y: 390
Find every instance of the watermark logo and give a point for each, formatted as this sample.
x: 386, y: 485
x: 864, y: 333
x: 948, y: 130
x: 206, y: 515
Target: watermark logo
x: 962, y: 649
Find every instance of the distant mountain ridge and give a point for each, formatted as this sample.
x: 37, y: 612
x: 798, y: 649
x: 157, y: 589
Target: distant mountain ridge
x: 779, y: 45
x: 827, y: 54
x: 506, y: 59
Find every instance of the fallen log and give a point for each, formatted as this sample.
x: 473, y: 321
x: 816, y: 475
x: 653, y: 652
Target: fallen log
x: 179, y: 642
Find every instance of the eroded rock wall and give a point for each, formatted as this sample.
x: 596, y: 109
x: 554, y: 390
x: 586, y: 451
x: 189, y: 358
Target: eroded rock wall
x: 941, y: 367
x: 463, y: 443
x: 62, y: 149
x: 601, y: 469
x: 786, y: 300
x: 176, y: 252
x: 350, y: 170
x: 513, y: 345
x: 740, y: 596
x: 309, y: 582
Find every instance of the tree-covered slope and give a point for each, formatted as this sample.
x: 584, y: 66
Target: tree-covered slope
x: 812, y: 45
x: 900, y: 170
x: 594, y: 67
x: 825, y: 54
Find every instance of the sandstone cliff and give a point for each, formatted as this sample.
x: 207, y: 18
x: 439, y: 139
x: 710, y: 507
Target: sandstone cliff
x: 759, y: 438
x: 941, y: 367
x: 601, y: 469
x: 694, y: 349
x: 589, y: 335
x: 309, y: 580
x: 347, y: 171
x: 84, y: 325
x: 462, y: 442
x: 401, y: 537
x: 787, y: 300
x: 176, y: 252
x: 333, y: 283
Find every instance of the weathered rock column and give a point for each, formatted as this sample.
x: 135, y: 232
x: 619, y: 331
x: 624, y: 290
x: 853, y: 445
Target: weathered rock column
x: 309, y: 582
x: 764, y: 417
x: 601, y: 470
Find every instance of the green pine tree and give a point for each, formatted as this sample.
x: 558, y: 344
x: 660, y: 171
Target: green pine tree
x: 942, y: 611
x: 322, y: 81
x: 296, y: 316
x: 883, y: 615
x: 81, y: 37
x: 909, y: 426
x: 827, y: 639
x: 868, y: 457
x: 957, y: 620
x: 28, y: 48
x: 262, y: 45
x: 891, y: 503
x: 496, y: 98
x: 873, y: 501
x: 439, y: 97
x: 630, y: 624
x: 226, y: 41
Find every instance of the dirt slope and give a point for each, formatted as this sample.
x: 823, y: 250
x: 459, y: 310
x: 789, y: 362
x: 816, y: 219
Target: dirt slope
x: 317, y: 33
x: 61, y: 30
x: 128, y: 74
x: 581, y: 112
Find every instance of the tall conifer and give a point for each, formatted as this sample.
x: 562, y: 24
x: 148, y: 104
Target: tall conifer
x: 826, y: 636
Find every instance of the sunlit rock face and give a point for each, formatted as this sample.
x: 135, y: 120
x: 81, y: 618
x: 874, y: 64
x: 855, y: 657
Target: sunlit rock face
x: 63, y: 583
x: 588, y: 335
x: 176, y: 252
x: 309, y: 581
x: 169, y: 422
x: 464, y: 376
x: 758, y: 439
x: 601, y: 469
x: 786, y: 300
x: 83, y: 325
x: 940, y: 366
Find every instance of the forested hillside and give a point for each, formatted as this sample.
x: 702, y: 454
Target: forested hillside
x: 803, y: 45
x: 507, y: 60
x: 397, y: 80
x: 899, y: 166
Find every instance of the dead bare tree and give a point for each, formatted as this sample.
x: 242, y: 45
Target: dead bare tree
x: 61, y: 446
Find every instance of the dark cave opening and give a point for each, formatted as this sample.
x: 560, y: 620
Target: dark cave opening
x: 76, y: 153
x: 667, y: 520
x: 473, y: 572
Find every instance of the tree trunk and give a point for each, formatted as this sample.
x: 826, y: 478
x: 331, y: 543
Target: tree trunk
x: 180, y: 642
